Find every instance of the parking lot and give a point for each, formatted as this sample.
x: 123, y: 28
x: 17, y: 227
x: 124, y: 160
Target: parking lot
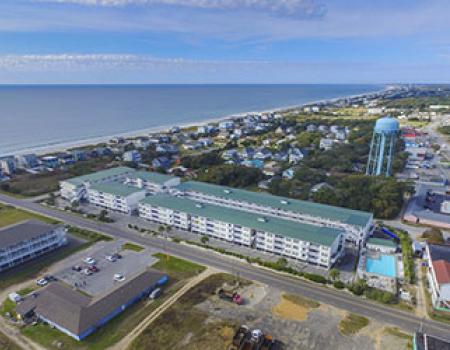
x: 97, y: 283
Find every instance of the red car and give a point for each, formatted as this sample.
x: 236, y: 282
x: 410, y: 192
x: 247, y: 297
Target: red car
x: 93, y: 268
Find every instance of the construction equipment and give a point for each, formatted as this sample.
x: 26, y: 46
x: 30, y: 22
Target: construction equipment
x: 245, y: 339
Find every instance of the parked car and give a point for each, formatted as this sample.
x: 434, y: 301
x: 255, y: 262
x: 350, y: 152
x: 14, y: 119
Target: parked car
x: 111, y: 258
x: 87, y: 272
x: 76, y: 268
x: 42, y: 282
x: 119, y: 277
x: 93, y: 268
x: 51, y: 278
x: 89, y: 260
x: 155, y: 294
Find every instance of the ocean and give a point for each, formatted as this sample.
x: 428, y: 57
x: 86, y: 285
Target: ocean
x: 44, y: 117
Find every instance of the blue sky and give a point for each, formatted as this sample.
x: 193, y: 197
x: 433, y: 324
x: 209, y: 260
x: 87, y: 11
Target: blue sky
x: 224, y: 41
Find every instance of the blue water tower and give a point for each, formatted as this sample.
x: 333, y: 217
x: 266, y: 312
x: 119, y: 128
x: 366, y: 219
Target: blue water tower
x: 382, y: 147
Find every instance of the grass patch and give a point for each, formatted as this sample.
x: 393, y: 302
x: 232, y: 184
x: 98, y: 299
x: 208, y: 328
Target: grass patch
x: 394, y: 331
x: 184, y: 327
x: 30, y: 185
x: 302, y: 301
x: 133, y: 247
x: 352, y: 324
x: 33, y: 268
x: 176, y: 267
x: 10, y: 215
x: 7, y: 344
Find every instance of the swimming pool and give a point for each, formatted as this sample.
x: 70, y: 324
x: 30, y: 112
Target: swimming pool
x: 385, y: 265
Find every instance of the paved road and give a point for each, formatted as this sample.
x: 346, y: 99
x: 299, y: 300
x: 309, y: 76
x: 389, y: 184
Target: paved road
x: 290, y: 284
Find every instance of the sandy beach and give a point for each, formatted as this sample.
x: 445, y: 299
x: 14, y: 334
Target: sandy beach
x: 61, y: 147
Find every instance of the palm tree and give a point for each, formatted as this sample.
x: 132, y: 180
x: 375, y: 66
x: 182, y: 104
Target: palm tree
x: 334, y: 274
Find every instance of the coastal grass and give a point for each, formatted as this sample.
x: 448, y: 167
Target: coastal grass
x: 302, y: 301
x: 176, y: 267
x: 133, y: 247
x: 31, y: 185
x: 352, y: 324
x: 183, y: 326
x: 10, y: 215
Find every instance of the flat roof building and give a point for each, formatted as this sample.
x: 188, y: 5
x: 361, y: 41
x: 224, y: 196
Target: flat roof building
x: 356, y: 224
x: 79, y: 315
x: 115, y: 196
x: 27, y: 240
x: 75, y: 189
x: 314, y: 244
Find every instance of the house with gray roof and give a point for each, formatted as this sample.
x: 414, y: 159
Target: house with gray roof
x: 79, y: 315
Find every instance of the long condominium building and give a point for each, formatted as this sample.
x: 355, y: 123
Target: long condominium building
x: 116, y: 196
x: 75, y: 189
x: 313, y: 244
x: 356, y: 224
x: 27, y: 240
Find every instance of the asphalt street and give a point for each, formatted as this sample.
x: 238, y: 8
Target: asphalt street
x: 290, y: 284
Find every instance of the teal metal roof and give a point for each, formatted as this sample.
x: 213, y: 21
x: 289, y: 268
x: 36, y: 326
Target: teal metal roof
x: 153, y: 177
x: 310, y: 233
x: 381, y: 241
x: 348, y: 216
x: 99, y: 175
x: 116, y: 189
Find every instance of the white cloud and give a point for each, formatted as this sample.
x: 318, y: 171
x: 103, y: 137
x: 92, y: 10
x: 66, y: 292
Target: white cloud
x: 302, y: 8
x: 102, y: 61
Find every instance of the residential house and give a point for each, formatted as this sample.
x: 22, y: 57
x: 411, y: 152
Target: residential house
x: 50, y: 162
x: 27, y: 161
x: 132, y: 156
x: 161, y: 163
x: 438, y: 275
x: 326, y: 144
x: 8, y: 165
x: 226, y: 124
x: 167, y: 148
x: 263, y: 154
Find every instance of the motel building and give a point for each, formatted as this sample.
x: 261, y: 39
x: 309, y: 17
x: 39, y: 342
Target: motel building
x: 116, y: 197
x: 28, y: 240
x: 75, y: 189
x: 316, y: 245
x: 357, y: 225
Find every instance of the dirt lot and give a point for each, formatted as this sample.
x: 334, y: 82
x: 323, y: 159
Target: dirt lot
x: 200, y: 320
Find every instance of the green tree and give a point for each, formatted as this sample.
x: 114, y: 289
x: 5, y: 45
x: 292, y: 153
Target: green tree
x: 334, y: 274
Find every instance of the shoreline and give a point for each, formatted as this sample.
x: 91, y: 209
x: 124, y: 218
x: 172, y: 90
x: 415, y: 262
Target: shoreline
x: 65, y: 146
